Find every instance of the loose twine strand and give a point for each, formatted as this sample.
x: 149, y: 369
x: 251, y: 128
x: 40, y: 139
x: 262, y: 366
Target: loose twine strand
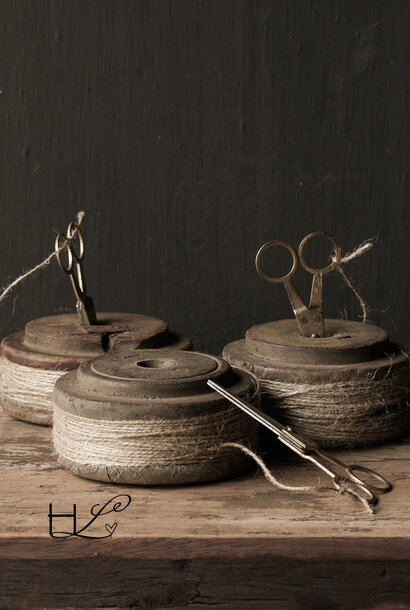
x: 68, y: 240
x: 345, y: 487
x: 341, y: 261
x: 364, y: 247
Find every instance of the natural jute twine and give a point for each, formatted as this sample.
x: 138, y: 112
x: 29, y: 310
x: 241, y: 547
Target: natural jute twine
x: 356, y: 412
x: 5, y: 292
x: 26, y: 386
x: 129, y: 446
x: 342, y: 260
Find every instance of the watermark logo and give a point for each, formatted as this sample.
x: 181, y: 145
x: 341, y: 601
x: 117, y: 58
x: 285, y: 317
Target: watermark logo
x: 115, y: 505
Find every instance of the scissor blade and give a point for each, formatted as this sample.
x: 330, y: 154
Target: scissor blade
x: 254, y: 412
x: 86, y: 311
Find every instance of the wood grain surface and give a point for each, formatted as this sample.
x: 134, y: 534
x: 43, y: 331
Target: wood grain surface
x: 239, y: 543
x: 192, y: 132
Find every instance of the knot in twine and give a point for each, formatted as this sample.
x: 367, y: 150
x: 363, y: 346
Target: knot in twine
x: 340, y: 262
x: 47, y: 260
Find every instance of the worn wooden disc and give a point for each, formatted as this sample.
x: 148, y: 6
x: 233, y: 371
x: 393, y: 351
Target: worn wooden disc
x: 60, y: 343
x: 345, y: 342
x: 144, y: 384
x: 237, y: 354
x: 327, y: 389
x: 284, y: 379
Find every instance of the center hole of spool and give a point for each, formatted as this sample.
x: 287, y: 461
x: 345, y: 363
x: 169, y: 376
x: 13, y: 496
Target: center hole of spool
x: 158, y: 363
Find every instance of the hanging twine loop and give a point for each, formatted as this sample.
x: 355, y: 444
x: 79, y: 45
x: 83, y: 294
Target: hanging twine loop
x: 340, y: 263
x: 78, y: 220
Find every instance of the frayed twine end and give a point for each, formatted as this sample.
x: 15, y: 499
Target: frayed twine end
x: 340, y: 262
x: 78, y: 220
x: 345, y: 488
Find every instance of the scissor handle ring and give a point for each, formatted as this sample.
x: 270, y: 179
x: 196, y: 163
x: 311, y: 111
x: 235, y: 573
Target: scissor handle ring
x: 333, y: 265
x: 60, y: 237
x: 74, y: 228
x: 342, y: 483
x: 265, y: 276
x: 384, y: 488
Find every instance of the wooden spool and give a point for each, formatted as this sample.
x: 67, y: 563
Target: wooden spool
x: 60, y: 343
x: 275, y: 351
x: 169, y: 385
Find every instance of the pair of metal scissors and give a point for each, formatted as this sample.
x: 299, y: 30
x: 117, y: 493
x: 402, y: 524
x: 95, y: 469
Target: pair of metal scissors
x: 343, y: 478
x: 85, y: 305
x: 309, y: 319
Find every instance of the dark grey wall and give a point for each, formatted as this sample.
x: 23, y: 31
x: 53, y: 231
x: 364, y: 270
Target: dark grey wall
x: 191, y: 131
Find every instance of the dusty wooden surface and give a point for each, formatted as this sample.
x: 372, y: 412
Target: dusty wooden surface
x: 233, y: 544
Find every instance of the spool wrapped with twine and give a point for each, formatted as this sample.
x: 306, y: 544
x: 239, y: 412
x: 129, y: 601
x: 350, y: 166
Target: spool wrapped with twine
x: 149, y: 418
x: 360, y: 411
x: 334, y: 402
x: 347, y: 386
x: 33, y: 360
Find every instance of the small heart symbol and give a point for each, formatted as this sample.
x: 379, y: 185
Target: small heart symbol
x: 111, y: 528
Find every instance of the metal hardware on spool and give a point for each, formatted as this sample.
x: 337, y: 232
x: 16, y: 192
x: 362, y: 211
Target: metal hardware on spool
x: 85, y: 306
x: 51, y: 344
x: 168, y: 386
x: 309, y: 319
x: 60, y: 343
x: 290, y: 341
x: 311, y: 352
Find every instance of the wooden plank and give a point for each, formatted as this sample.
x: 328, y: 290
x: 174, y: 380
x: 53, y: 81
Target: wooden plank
x: 238, y: 543
x: 246, y: 507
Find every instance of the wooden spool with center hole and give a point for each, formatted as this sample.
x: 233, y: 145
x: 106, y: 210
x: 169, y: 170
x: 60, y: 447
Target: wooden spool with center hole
x: 276, y: 352
x: 60, y: 343
x: 148, y: 385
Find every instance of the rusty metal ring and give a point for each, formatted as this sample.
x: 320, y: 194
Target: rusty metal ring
x: 58, y: 244
x: 268, y: 278
x: 333, y: 265
x: 74, y: 232
x: 380, y: 489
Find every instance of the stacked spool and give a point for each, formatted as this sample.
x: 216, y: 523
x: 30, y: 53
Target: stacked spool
x: 148, y: 417
x: 33, y: 360
x: 348, y: 388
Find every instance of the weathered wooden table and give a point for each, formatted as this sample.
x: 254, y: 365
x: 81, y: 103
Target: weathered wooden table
x: 235, y: 544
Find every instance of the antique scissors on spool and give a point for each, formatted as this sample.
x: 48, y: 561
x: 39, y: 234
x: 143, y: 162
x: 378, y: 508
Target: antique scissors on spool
x: 309, y: 319
x: 345, y: 477
x: 85, y: 305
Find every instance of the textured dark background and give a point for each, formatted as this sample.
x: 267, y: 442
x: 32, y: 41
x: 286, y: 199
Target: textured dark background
x: 191, y: 131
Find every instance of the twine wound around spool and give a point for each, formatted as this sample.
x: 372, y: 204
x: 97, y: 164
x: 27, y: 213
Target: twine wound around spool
x: 343, y: 413
x: 119, y: 448
x: 28, y: 387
